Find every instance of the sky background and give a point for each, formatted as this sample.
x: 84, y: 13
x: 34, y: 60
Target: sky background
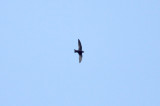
x: 121, y: 61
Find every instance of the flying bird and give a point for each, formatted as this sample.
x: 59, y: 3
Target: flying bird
x: 79, y: 51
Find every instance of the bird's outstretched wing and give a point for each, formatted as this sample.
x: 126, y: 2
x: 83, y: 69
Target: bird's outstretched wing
x: 79, y: 45
x: 80, y: 58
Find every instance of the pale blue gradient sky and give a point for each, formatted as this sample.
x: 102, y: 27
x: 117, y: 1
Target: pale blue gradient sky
x: 121, y: 63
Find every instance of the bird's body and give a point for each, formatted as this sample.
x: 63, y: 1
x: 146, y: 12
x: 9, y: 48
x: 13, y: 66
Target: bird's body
x: 79, y: 51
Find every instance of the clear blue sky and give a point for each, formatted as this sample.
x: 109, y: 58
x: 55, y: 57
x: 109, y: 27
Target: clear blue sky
x: 120, y: 66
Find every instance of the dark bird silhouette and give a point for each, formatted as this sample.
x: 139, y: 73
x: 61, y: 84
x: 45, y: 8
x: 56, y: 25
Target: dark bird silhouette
x: 79, y: 51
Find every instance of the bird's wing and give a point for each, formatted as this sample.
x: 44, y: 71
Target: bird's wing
x: 79, y: 45
x: 80, y: 58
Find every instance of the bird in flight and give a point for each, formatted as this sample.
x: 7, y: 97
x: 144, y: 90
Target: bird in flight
x: 79, y: 51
